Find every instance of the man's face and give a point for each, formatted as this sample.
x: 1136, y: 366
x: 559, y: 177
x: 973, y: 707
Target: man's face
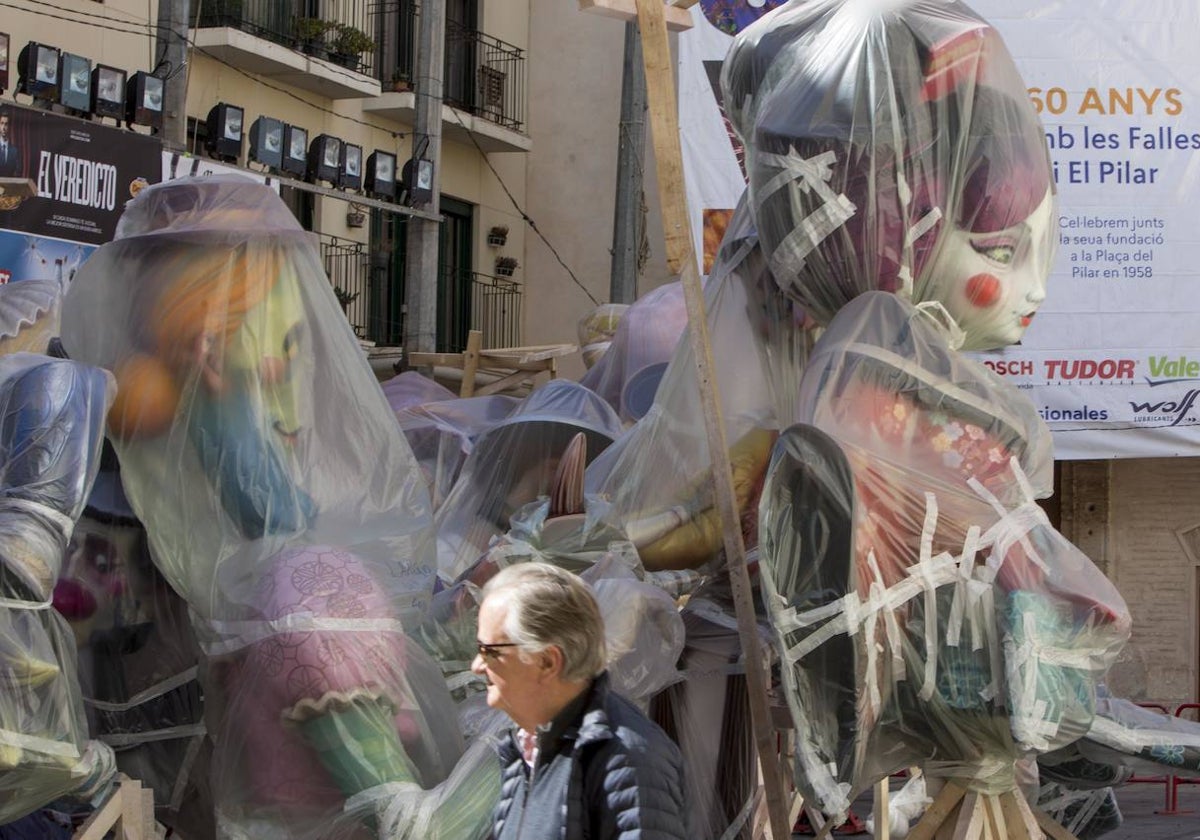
x: 515, y: 684
x: 4, y: 127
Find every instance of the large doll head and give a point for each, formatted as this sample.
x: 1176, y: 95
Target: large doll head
x: 246, y: 417
x: 891, y: 146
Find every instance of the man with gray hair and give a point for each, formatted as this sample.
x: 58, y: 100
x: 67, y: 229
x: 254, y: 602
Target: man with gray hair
x: 582, y: 762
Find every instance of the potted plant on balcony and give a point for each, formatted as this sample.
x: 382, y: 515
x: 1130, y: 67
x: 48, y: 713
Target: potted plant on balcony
x: 401, y: 81
x: 348, y: 44
x: 505, y: 266
x: 310, y: 34
x: 498, y: 235
x: 345, y: 297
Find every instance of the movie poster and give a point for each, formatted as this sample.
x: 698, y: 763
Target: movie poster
x: 63, y: 185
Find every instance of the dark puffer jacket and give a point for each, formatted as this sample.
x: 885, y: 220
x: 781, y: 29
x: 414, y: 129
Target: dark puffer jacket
x: 604, y: 772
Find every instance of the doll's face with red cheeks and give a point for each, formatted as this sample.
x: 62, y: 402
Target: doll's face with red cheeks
x: 997, y: 279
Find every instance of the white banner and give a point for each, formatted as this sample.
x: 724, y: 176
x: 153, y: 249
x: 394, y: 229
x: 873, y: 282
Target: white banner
x: 175, y: 165
x: 1112, y: 360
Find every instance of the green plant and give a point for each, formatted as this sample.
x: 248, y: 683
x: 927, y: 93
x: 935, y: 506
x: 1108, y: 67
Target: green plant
x: 309, y: 29
x: 345, y: 298
x: 506, y: 265
x: 351, y: 41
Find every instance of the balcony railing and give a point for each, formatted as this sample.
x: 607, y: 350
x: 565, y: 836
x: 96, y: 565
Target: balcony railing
x: 482, y: 75
x: 324, y: 30
x: 467, y: 300
x: 347, y: 264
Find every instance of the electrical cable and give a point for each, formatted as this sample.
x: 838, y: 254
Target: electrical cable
x: 524, y: 216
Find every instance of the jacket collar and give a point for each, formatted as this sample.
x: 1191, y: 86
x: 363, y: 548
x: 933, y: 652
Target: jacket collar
x: 568, y: 725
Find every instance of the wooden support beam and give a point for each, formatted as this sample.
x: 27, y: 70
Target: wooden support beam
x: 470, y: 363
x: 883, y: 825
x: 944, y: 804
x: 127, y: 813
x: 676, y: 13
x: 681, y: 255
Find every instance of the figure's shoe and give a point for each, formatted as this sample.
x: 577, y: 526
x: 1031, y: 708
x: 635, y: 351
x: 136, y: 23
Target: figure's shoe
x: 807, y: 557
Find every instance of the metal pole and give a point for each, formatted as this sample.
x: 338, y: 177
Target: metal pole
x: 631, y: 147
x: 421, y: 268
x: 170, y: 51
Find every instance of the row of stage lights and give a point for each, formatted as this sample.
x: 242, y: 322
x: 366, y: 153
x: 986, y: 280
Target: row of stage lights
x: 284, y: 148
x: 50, y: 75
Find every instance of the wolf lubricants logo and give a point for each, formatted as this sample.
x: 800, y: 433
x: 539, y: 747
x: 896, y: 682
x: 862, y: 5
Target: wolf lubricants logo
x: 1176, y: 411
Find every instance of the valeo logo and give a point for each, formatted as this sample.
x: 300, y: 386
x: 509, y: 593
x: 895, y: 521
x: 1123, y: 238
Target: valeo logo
x: 1167, y: 369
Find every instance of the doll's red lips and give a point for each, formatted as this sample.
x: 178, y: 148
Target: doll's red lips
x: 1026, y: 320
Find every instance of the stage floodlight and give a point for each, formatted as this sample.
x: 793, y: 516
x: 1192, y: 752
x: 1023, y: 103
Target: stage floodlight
x: 380, y: 178
x: 108, y: 92
x: 4, y: 42
x: 75, y: 71
x: 224, y: 135
x: 325, y: 159
x: 350, y: 167
x: 37, y: 71
x: 144, y: 100
x: 418, y: 181
x: 295, y: 150
x: 266, y: 142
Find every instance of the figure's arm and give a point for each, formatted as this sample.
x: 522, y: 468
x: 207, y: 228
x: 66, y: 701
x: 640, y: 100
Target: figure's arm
x: 691, y: 542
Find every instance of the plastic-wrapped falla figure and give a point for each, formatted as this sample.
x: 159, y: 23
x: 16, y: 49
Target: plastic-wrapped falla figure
x: 51, y: 428
x: 927, y: 611
x: 280, y: 501
x: 889, y: 147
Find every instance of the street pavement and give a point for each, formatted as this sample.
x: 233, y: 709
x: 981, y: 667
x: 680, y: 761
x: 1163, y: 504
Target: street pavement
x: 1139, y: 803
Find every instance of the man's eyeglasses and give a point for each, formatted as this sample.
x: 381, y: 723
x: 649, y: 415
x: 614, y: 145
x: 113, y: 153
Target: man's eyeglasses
x: 492, y: 651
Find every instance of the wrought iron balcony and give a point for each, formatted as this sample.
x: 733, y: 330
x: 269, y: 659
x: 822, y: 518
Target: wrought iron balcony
x: 467, y: 300
x: 483, y: 76
x: 337, y: 33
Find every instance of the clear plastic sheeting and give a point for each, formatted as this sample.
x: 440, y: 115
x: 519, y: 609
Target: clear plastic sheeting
x: 658, y: 476
x: 926, y: 611
x: 442, y: 434
x: 627, y: 375
x: 892, y: 146
x: 280, y: 501
x: 596, y: 330
x: 707, y: 713
x: 1088, y: 815
x: 411, y: 389
x: 1125, y: 735
x: 137, y: 657
x: 513, y: 463
x: 51, y: 428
